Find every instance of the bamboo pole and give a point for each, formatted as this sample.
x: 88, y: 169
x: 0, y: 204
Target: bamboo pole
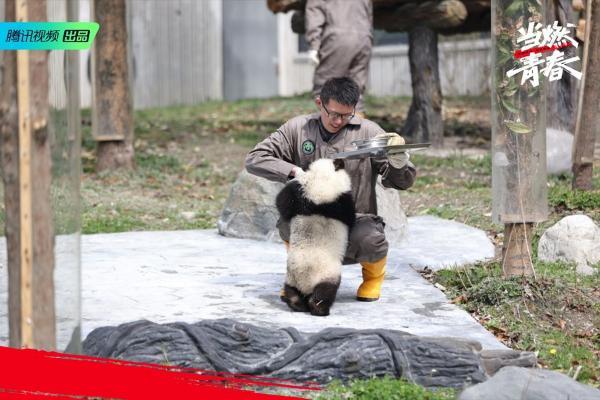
x: 25, y: 206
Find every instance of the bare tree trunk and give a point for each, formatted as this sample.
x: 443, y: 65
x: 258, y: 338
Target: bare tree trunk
x: 10, y: 176
x: 424, y: 120
x: 588, y: 116
x: 516, y: 250
x: 40, y: 294
x: 562, y: 95
x: 112, y: 114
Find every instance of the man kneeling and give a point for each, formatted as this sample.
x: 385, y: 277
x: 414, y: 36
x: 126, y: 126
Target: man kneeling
x: 288, y: 151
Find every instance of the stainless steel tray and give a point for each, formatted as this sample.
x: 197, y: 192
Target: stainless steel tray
x: 380, y: 151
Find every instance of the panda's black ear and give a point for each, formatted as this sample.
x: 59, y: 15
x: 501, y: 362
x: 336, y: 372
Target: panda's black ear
x: 338, y: 163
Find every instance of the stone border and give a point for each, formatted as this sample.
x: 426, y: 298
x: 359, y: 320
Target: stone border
x: 334, y: 353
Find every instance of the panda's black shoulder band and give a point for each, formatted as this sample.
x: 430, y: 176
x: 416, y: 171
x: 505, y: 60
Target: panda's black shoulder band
x: 289, y: 199
x: 341, y: 209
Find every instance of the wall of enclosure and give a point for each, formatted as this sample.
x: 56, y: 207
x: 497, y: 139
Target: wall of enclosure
x: 179, y: 55
x: 176, y: 51
x: 465, y: 66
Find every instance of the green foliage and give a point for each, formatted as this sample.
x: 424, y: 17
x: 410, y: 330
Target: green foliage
x: 481, y: 165
x: 125, y: 217
x: 249, y: 138
x: 383, y: 388
x: 156, y: 163
x: 556, y: 313
x: 111, y: 222
x: 495, y: 290
x: 468, y: 277
x: 564, y: 198
x: 443, y: 211
x: 563, y: 352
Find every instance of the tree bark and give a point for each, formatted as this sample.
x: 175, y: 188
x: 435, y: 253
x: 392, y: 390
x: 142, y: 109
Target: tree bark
x: 434, y: 14
x: 444, y: 16
x: 277, y: 6
x: 42, y: 233
x: 562, y: 95
x: 10, y: 176
x: 112, y: 115
x: 516, y: 250
x: 588, y: 114
x: 424, y: 121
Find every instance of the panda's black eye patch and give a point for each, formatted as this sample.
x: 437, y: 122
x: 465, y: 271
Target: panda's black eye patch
x: 338, y: 163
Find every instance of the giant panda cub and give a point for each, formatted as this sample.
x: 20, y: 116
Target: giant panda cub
x: 319, y: 207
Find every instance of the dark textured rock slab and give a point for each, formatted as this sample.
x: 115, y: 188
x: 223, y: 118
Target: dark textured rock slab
x: 493, y: 360
x: 334, y: 353
x: 530, y: 384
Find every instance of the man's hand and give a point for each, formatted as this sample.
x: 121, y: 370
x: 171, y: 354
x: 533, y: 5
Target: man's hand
x: 393, y: 138
x: 313, y: 57
x: 397, y: 160
x: 297, y: 172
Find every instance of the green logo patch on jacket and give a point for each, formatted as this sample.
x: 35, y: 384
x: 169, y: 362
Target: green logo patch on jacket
x: 308, y: 147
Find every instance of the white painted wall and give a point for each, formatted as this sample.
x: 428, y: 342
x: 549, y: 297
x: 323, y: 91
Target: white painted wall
x: 295, y: 72
x: 177, y: 51
x: 464, y: 67
x: 176, y: 48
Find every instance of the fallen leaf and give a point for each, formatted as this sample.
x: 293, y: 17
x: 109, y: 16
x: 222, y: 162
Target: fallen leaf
x: 459, y: 299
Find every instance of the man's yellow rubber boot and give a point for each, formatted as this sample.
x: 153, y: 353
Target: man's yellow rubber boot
x: 373, y: 273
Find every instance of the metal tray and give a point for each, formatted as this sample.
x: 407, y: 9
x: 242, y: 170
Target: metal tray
x: 380, y: 151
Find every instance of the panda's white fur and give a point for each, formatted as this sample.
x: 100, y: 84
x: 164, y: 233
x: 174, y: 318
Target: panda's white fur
x: 321, y: 208
x: 322, y: 183
x: 317, y: 247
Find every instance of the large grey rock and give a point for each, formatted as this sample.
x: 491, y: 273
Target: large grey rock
x: 530, y: 384
x: 494, y: 360
x: 575, y: 238
x: 250, y: 213
x: 333, y: 353
x: 558, y: 151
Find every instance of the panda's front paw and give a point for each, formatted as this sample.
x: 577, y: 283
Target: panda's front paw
x: 319, y: 307
x: 294, y: 299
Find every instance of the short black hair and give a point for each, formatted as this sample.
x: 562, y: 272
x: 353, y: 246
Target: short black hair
x: 343, y: 90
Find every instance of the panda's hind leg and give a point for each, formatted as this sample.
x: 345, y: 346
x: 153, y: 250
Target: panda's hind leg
x: 294, y: 298
x: 322, y: 298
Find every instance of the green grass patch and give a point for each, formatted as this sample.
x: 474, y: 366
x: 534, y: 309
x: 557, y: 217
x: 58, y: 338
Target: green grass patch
x: 111, y: 221
x: 384, y: 388
x: 473, y: 165
x: 444, y: 211
x: 157, y: 163
x: 556, y: 313
x: 562, y: 197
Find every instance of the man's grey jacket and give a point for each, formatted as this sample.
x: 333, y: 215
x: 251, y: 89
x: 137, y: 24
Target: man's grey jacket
x: 298, y: 142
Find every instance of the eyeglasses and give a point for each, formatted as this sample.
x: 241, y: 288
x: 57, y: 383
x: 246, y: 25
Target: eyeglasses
x: 334, y: 115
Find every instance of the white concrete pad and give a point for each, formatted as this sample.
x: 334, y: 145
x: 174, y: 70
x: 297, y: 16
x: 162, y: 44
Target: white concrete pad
x: 194, y: 275
x: 439, y: 243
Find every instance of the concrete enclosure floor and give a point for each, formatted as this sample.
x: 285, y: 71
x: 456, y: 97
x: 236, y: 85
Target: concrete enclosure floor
x: 194, y: 275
